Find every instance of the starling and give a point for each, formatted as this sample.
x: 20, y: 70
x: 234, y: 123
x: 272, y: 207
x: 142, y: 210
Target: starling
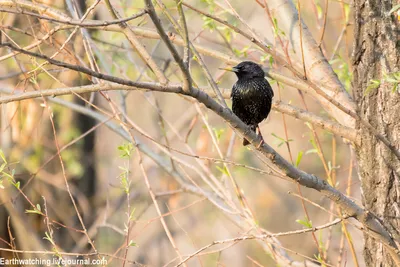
x: 251, y: 95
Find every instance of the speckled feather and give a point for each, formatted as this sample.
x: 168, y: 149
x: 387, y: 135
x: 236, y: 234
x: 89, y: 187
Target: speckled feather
x: 251, y: 95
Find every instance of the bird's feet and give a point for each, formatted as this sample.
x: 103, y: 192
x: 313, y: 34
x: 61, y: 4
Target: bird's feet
x: 260, y: 135
x: 261, y: 142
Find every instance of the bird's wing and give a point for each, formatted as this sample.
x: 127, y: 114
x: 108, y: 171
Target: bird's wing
x: 234, y: 89
x: 270, y: 87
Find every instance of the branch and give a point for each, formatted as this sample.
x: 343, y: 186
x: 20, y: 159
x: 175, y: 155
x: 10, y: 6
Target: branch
x: 185, y: 35
x: 129, y: 34
x: 75, y: 22
x: 146, y: 85
x: 307, y: 116
x: 324, y: 77
x: 264, y: 236
x: 283, y: 259
x: 308, y: 180
x: 280, y: 106
x: 188, y: 44
x: 147, y: 33
x: 373, y: 226
x: 187, y: 80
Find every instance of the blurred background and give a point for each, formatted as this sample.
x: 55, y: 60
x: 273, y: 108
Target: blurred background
x: 115, y: 185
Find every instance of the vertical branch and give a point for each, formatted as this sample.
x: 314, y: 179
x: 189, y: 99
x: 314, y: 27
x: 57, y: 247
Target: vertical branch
x: 187, y: 80
x: 197, y: 55
x: 185, y: 34
x: 323, y: 26
x: 301, y: 42
x: 138, y: 46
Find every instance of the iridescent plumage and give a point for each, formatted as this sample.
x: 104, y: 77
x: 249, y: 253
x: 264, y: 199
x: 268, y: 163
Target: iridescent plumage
x: 251, y: 95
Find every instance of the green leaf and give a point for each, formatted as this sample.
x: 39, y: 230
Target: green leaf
x: 394, y: 9
x: 305, y: 222
x: 319, y: 258
x: 311, y: 151
x: 218, y: 133
x: 132, y: 244
x: 347, y: 11
x: 223, y: 170
x: 3, y: 166
x: 17, y: 184
x: 2, y: 156
x: 264, y: 57
x: 131, y: 216
x: 283, y: 141
x: 209, y: 23
x: 271, y: 61
x: 319, y: 9
x: 299, y: 157
x: 48, y: 237
x: 241, y: 53
x: 373, y: 84
x: 126, y: 150
x: 34, y: 211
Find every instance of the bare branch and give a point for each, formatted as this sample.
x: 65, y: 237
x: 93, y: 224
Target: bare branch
x: 264, y: 236
x: 130, y: 35
x: 75, y: 22
x: 187, y: 80
x: 280, y: 106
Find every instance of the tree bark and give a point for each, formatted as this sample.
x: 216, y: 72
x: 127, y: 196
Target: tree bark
x: 376, y: 54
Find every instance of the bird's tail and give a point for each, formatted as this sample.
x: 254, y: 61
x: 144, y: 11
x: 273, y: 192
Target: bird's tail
x: 245, y: 141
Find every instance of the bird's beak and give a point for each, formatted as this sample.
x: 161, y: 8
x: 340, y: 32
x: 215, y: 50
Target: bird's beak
x: 233, y: 69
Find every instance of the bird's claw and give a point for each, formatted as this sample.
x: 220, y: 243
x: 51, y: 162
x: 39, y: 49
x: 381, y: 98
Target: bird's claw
x: 261, y: 143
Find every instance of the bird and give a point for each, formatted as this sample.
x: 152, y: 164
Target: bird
x: 251, y: 96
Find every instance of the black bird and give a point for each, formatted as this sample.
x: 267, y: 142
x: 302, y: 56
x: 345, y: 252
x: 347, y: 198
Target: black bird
x: 251, y: 95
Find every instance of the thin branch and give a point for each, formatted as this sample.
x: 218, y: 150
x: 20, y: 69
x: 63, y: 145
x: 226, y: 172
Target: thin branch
x: 321, y: 39
x: 198, y: 57
x: 262, y: 237
x: 185, y: 36
x: 90, y: 72
x: 319, y: 91
x: 187, y: 80
x: 130, y: 35
x: 350, y: 208
x: 280, y: 106
x: 75, y: 22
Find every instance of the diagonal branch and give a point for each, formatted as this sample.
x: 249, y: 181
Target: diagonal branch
x: 187, y: 80
x: 371, y: 224
x: 130, y: 35
x: 75, y: 22
x: 280, y: 106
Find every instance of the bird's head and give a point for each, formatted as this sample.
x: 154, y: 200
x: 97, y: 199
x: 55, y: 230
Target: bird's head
x: 247, y: 70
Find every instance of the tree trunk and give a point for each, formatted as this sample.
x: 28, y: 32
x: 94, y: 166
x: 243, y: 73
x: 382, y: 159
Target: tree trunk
x: 376, y: 54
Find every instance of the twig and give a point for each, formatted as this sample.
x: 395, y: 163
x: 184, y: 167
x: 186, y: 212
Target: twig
x: 187, y: 80
x: 130, y: 35
x: 264, y: 236
x: 75, y: 22
x: 185, y: 36
x: 321, y: 39
x: 298, y: 113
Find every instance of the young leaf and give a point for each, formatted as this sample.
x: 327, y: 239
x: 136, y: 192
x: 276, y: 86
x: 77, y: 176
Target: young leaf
x: 305, y: 222
x: 394, y: 9
x: 132, y: 244
x: 373, y: 84
x: 2, y: 156
x: 223, y: 170
x: 299, y: 157
x: 3, y: 166
x: 17, y: 184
